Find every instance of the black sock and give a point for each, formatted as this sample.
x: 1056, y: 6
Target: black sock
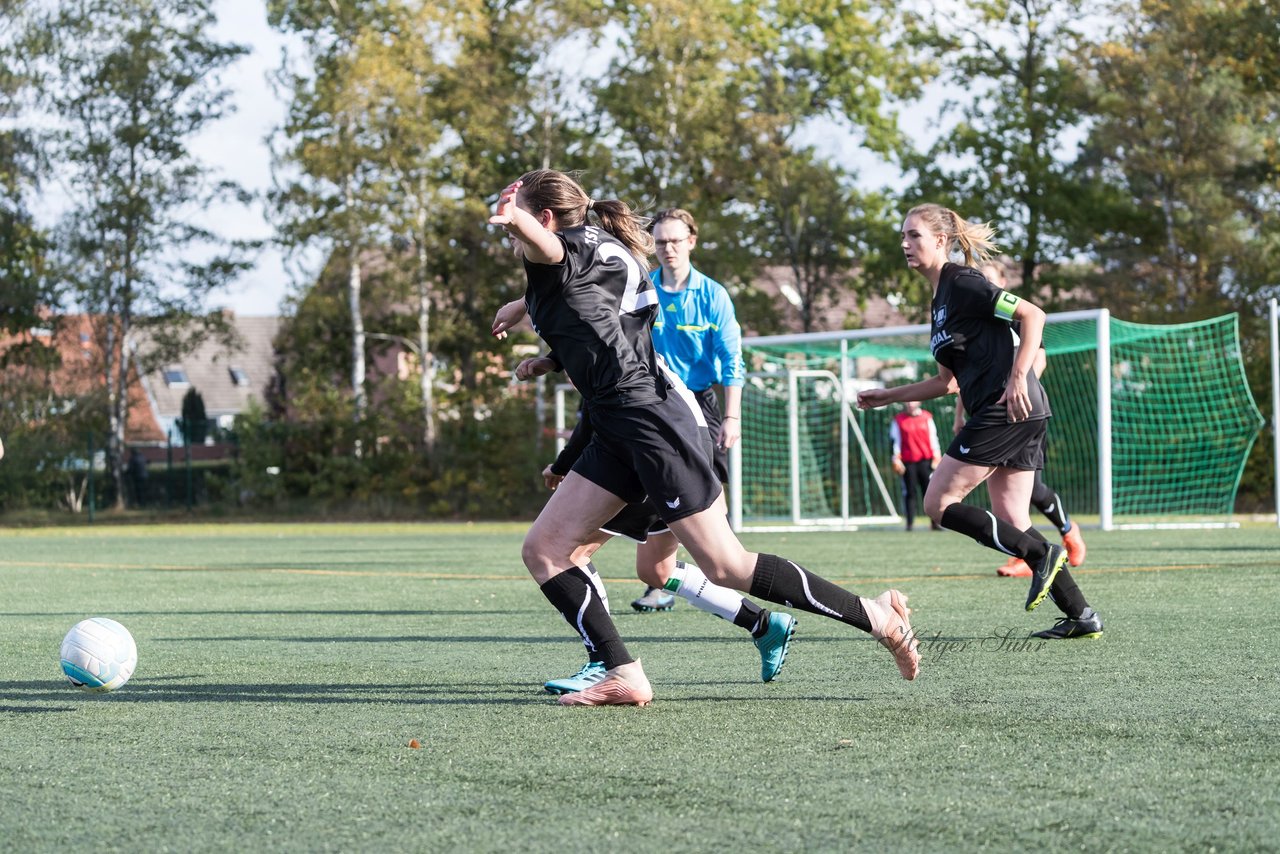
x: 779, y: 580
x: 1066, y: 595
x: 1064, y: 592
x: 993, y: 533
x: 575, y: 597
x: 597, y: 582
x: 752, y: 617
x: 1049, y: 503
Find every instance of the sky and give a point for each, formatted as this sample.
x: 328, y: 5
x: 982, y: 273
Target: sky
x: 236, y: 147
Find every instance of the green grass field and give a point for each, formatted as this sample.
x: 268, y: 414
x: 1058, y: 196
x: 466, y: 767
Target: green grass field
x: 284, y: 669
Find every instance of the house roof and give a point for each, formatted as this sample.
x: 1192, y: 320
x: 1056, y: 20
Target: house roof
x: 79, y: 370
x: 846, y: 311
x: 227, y: 379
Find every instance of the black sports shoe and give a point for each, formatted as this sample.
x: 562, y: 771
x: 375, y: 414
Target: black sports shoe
x: 1043, y: 573
x: 1088, y: 625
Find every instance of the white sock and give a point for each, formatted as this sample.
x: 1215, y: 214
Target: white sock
x: 688, y: 582
x: 598, y: 583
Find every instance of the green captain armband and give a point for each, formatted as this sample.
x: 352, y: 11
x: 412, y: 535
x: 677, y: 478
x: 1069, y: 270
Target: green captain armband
x: 1006, y: 304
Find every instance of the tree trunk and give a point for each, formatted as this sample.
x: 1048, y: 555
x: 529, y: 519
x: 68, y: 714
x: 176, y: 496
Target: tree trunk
x: 427, y: 377
x: 1176, y: 279
x: 1031, y: 257
x: 115, y: 410
x: 357, y: 319
x: 120, y: 414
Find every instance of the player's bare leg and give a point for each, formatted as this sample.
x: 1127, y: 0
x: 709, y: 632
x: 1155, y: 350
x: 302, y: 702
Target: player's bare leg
x: 566, y: 527
x: 1010, y: 492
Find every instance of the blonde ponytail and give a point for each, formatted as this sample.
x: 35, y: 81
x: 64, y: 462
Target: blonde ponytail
x: 974, y: 240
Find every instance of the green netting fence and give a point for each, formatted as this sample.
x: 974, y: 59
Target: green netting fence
x: 1164, y: 441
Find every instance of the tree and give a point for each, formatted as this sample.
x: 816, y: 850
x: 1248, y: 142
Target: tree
x: 510, y: 108
x: 445, y: 108
x: 195, y: 421
x: 331, y: 194
x: 726, y: 138
x: 1186, y: 134
x: 815, y: 224
x: 130, y: 83
x: 1008, y: 159
x: 28, y: 290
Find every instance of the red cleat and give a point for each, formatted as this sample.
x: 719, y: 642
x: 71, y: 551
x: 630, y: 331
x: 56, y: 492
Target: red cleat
x: 1014, y: 567
x: 1075, y: 545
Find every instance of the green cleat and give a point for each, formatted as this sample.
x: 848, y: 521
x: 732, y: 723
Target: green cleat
x: 773, y: 644
x: 1043, y: 574
x: 1087, y: 625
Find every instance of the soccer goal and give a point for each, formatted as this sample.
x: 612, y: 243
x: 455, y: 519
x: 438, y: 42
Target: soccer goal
x: 1152, y: 423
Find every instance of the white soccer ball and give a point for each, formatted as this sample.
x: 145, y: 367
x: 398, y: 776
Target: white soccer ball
x: 98, y: 655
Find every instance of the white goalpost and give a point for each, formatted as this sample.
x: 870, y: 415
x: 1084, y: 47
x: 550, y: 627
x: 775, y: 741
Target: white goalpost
x: 1275, y: 402
x: 1152, y: 424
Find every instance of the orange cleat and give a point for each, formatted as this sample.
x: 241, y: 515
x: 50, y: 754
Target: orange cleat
x: 619, y: 688
x: 1075, y: 545
x: 891, y: 625
x: 1014, y: 567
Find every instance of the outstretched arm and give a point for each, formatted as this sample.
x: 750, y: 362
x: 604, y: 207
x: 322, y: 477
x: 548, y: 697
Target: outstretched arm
x: 927, y: 389
x: 541, y: 246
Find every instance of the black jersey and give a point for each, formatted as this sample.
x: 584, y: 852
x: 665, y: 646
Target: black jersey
x: 970, y: 336
x: 594, y: 310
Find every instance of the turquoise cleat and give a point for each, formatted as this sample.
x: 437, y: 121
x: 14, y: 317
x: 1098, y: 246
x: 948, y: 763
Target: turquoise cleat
x: 773, y: 644
x: 591, y: 673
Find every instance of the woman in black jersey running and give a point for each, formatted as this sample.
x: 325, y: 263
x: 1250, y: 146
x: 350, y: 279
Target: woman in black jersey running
x: 1002, y: 443
x: 590, y: 301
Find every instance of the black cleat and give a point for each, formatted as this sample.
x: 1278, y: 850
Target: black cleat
x: 1087, y: 625
x: 1043, y: 573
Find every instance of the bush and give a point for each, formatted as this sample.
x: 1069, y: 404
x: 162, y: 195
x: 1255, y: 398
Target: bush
x: 481, y: 468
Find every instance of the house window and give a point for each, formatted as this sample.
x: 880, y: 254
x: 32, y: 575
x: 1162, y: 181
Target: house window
x: 238, y: 376
x: 175, y: 377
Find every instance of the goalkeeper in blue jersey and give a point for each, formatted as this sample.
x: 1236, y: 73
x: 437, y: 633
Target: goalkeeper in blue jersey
x: 696, y: 331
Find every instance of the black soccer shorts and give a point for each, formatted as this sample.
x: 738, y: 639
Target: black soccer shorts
x: 636, y: 522
x: 656, y: 451
x: 710, y: 406
x: 1013, y: 446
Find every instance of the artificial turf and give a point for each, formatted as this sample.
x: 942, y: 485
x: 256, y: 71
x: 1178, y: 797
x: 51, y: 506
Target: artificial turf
x: 283, y: 671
